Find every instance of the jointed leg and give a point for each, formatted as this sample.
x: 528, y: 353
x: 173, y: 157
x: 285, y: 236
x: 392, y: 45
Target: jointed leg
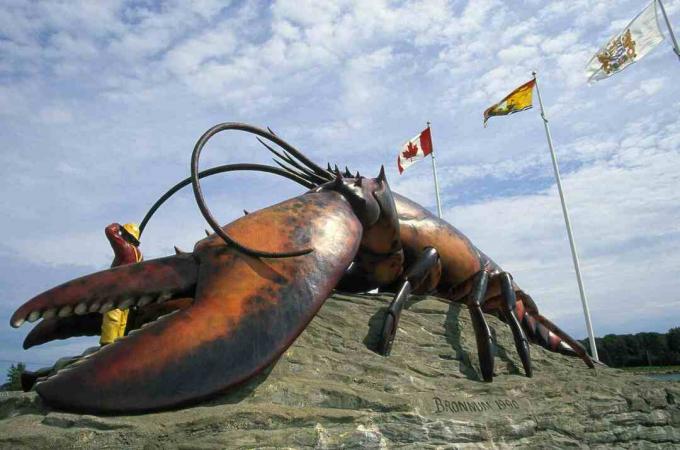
x: 509, y: 307
x: 485, y: 345
x: 414, y: 276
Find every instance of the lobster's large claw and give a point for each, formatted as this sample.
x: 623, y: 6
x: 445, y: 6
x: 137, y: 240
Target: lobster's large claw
x: 246, y: 312
x: 91, y: 324
x: 57, y: 328
x: 124, y: 286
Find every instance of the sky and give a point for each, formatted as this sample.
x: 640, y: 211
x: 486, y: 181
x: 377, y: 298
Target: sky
x: 101, y: 104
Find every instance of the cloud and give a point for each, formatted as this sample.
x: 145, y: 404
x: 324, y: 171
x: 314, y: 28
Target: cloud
x: 560, y: 43
x: 623, y: 206
x: 647, y: 89
x: 516, y: 53
x: 56, y: 115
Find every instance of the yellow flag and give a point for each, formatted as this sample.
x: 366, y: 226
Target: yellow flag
x: 518, y: 100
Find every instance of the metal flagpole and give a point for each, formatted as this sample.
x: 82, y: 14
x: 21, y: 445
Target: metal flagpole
x: 584, y: 300
x: 676, y: 48
x: 434, y: 172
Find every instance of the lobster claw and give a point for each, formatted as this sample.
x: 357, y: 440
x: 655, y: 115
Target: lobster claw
x: 246, y: 311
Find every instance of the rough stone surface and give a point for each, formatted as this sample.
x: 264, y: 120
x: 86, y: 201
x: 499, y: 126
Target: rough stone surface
x: 331, y: 390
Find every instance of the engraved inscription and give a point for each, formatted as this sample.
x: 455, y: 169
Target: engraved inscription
x: 457, y: 406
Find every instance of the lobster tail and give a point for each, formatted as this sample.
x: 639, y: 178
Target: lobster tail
x: 543, y: 332
x: 539, y: 334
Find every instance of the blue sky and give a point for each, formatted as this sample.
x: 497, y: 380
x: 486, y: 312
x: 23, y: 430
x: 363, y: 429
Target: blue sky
x: 102, y: 102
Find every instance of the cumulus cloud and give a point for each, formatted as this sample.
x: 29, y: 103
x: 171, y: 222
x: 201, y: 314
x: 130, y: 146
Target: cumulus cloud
x: 646, y: 89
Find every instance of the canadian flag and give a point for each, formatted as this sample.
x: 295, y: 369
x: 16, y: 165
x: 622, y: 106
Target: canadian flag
x: 415, y: 150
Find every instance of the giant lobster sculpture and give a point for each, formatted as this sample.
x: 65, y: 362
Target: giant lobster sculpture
x: 257, y: 282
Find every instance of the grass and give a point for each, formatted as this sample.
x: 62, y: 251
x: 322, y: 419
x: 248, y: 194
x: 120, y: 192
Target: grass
x: 651, y: 369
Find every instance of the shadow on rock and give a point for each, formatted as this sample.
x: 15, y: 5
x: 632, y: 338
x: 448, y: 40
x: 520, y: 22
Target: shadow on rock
x: 239, y: 392
x: 376, y: 321
x: 508, y: 358
x: 453, y: 337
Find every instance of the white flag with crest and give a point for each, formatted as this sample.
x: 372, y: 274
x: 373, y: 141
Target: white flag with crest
x: 636, y: 40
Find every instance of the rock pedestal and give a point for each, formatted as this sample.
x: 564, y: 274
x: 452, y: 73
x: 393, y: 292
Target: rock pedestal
x: 331, y: 390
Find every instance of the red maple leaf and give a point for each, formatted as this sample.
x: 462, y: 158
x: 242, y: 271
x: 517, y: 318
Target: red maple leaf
x: 411, y: 151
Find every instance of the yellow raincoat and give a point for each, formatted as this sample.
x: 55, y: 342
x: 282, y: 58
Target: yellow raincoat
x: 115, y: 320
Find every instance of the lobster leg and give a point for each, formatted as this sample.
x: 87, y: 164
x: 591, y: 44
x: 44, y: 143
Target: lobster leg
x: 509, y: 307
x: 482, y: 332
x: 415, y: 275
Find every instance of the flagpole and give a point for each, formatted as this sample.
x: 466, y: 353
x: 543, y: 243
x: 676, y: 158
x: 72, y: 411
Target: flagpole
x: 676, y: 48
x: 434, y: 172
x: 572, y: 244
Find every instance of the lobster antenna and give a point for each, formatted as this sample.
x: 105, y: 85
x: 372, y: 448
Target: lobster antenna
x: 311, y: 176
x: 271, y: 136
x: 214, y: 171
x: 324, y: 175
x: 301, y: 167
x: 198, y: 193
x: 294, y: 172
x: 286, y: 158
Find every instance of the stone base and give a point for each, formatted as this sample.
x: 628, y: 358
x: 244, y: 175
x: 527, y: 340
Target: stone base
x: 331, y: 390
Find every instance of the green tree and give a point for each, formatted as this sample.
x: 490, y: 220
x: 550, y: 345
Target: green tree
x: 641, y: 349
x: 14, y: 376
x: 674, y: 339
x: 635, y: 355
x: 615, y: 347
x: 657, y: 346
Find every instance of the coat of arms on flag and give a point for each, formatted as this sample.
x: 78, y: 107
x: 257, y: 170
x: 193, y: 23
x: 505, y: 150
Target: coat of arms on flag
x: 636, y: 40
x: 518, y: 100
x: 619, y: 52
x: 414, y: 150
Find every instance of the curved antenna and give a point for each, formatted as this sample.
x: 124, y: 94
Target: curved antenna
x: 311, y: 175
x: 214, y: 171
x: 198, y: 193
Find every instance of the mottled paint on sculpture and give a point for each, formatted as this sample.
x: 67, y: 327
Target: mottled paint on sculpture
x: 245, y: 293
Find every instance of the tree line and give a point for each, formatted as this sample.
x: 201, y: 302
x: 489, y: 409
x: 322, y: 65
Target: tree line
x: 14, y: 377
x: 641, y: 349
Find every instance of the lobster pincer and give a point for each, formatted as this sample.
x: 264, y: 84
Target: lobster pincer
x: 256, y: 283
